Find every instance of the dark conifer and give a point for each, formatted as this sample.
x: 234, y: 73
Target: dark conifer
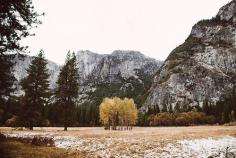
x: 6, y: 78
x: 36, y: 88
x: 67, y: 90
x: 164, y: 108
x: 16, y: 19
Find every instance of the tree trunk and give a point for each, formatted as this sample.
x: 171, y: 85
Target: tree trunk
x: 65, y: 128
x: 65, y: 119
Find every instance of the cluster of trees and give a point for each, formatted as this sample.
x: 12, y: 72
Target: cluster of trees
x: 36, y: 105
x: 16, y: 20
x: 183, y: 115
x: 117, y: 112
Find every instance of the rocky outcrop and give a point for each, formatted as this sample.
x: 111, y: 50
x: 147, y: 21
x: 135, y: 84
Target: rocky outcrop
x: 203, y: 67
x: 121, y: 73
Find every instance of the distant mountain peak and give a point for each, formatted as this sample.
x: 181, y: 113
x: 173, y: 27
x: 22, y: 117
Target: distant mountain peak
x: 128, y: 52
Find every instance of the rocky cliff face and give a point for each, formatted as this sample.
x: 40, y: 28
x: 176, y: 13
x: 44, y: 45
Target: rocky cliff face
x: 203, y: 67
x: 21, y: 64
x: 122, y: 73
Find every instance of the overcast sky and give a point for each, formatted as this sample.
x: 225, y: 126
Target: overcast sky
x: 154, y: 27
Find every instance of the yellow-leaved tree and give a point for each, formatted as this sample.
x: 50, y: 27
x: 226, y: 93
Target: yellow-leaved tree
x: 117, y: 112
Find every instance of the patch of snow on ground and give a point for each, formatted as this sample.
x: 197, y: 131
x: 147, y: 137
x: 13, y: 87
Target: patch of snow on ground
x: 197, y: 148
x: 126, y: 148
x: 30, y: 135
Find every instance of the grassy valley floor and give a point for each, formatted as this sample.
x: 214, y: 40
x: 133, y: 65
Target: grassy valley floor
x: 16, y: 149
x: 195, y: 141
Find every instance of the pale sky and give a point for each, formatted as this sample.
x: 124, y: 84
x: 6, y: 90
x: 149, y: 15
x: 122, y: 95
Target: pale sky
x: 153, y: 27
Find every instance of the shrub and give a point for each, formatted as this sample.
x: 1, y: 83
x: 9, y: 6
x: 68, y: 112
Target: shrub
x: 42, y: 141
x: 163, y: 119
x: 46, y: 123
x: 197, y: 117
x: 181, y: 121
x: 12, y: 122
x: 2, y: 137
x: 210, y: 119
x: 1, y: 114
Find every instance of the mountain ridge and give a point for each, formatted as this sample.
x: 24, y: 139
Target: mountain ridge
x: 202, y: 68
x: 120, y: 69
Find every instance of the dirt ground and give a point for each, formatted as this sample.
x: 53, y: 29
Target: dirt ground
x: 157, y: 133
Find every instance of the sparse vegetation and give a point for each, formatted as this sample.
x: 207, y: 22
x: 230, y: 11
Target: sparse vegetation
x: 213, y: 22
x: 16, y: 149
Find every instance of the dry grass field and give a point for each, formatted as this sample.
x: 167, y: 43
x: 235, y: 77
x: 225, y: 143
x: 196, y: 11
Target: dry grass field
x: 195, y: 141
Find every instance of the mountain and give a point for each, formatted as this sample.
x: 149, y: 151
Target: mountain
x: 202, y: 68
x: 21, y: 64
x: 121, y: 73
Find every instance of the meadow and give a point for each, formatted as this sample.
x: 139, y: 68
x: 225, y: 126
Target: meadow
x: 193, y: 141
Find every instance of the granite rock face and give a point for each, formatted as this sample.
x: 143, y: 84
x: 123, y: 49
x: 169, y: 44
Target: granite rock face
x: 203, y: 67
x: 121, y: 73
x: 21, y: 64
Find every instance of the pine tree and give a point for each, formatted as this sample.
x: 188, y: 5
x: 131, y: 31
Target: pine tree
x: 170, y: 110
x: 6, y: 78
x: 156, y: 109
x: 177, y: 107
x: 164, y: 108
x: 36, y: 88
x: 205, y: 107
x: 17, y: 18
x: 67, y: 90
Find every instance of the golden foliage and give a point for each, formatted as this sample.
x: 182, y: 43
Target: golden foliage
x: 115, y: 111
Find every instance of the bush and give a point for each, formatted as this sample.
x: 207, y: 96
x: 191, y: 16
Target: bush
x: 12, y: 122
x: 2, y: 137
x: 181, y: 121
x: 46, y: 123
x: 210, y: 119
x: 163, y: 119
x: 1, y: 114
x: 42, y: 141
x: 197, y: 117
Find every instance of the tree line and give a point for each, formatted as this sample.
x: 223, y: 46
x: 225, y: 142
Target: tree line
x: 221, y: 112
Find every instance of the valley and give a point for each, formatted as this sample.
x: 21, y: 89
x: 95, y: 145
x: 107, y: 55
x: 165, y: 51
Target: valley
x: 148, y: 142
